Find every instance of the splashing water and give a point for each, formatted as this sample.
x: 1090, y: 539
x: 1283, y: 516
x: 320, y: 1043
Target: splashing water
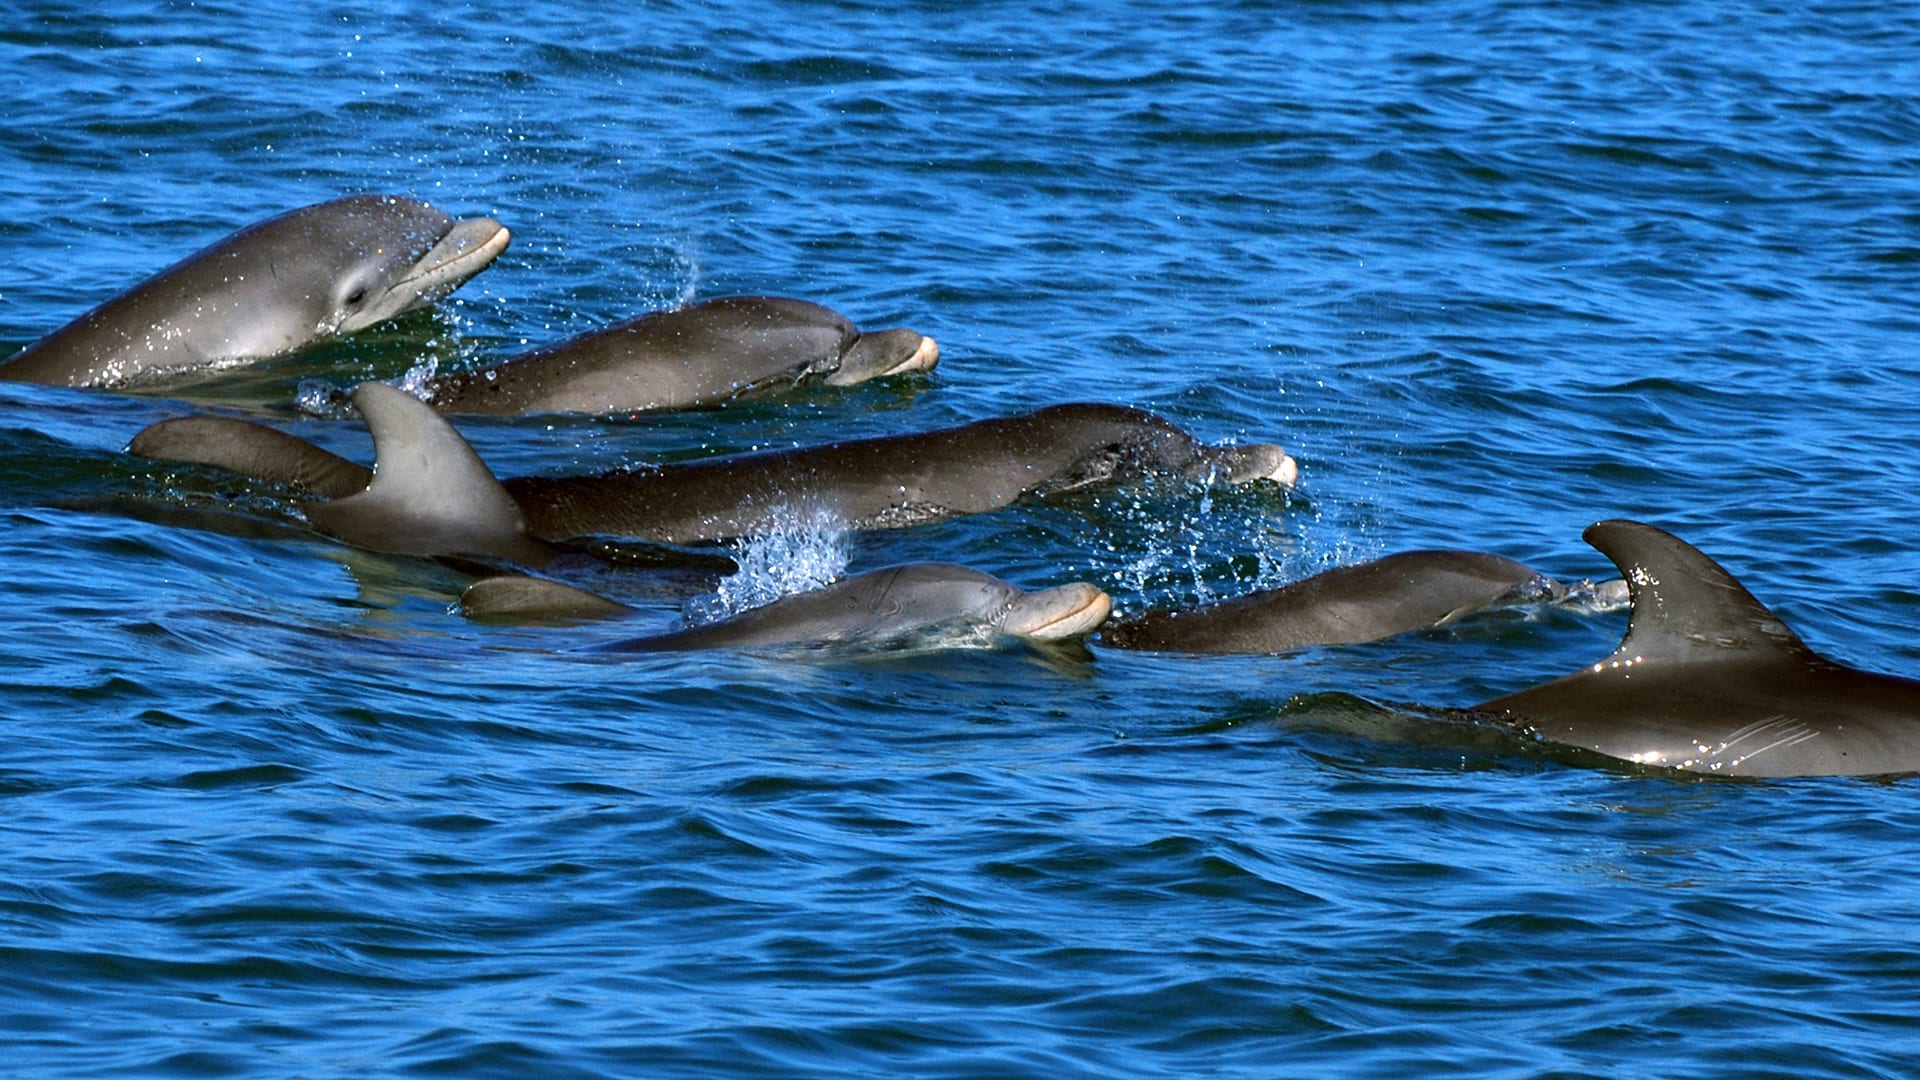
x: 803, y: 551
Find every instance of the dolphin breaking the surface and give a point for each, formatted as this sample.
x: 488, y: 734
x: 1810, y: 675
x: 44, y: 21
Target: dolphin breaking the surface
x: 1412, y: 590
x: 701, y: 354
x: 915, y: 601
x: 1708, y: 680
x: 882, y: 482
x: 310, y: 274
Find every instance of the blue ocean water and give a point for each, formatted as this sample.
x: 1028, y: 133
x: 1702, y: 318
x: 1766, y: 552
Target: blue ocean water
x: 1490, y: 271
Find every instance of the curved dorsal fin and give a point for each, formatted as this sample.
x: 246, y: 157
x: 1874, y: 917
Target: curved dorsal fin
x: 1685, y: 605
x: 430, y: 495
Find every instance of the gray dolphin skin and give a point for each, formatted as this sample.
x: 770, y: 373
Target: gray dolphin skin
x: 900, y: 603
x: 889, y: 481
x: 1413, y: 590
x: 1708, y: 680
x: 319, y: 272
x: 254, y: 450
x: 430, y: 493
x: 519, y: 598
x: 884, y: 482
x: 702, y: 354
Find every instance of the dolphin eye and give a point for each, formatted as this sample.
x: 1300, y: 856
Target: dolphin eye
x: 357, y: 295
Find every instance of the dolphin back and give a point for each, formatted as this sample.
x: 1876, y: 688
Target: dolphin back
x: 1685, y: 605
x: 430, y: 495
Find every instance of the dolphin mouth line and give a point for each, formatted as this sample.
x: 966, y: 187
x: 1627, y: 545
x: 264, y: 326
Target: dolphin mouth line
x: 925, y: 357
x: 1080, y: 619
x: 464, y: 251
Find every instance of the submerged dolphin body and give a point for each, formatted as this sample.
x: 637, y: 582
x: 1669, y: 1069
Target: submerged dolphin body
x: 697, y: 355
x: 883, y: 482
x: 282, y: 284
x: 913, y: 601
x: 1708, y: 680
x: 1413, y: 590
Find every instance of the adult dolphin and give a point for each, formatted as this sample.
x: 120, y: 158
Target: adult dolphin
x: 883, y: 482
x: 900, y: 603
x: 276, y: 286
x: 888, y: 481
x: 702, y: 354
x: 1708, y: 680
x: 1412, y: 590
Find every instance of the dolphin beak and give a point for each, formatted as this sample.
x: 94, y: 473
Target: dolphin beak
x: 1260, y: 461
x: 1055, y: 614
x: 467, y: 248
x: 883, y: 353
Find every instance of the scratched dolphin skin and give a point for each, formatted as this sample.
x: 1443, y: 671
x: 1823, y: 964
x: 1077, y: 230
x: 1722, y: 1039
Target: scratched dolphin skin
x: 291, y: 281
x: 702, y: 354
x: 1708, y: 680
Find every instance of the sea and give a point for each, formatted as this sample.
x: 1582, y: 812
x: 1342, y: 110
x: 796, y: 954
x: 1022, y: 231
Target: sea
x: 1491, y: 272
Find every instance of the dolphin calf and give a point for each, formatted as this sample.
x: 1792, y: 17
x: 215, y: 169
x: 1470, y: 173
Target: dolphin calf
x: 1708, y: 680
x: 884, y: 482
x: 913, y: 601
x: 285, y: 283
x: 1413, y: 590
x: 697, y: 355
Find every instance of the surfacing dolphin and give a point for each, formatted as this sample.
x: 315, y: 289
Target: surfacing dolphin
x: 429, y: 494
x: 285, y: 283
x: 883, y: 482
x: 1413, y: 590
x: 924, y: 602
x: 702, y: 354
x: 1708, y: 680
x: 889, y: 481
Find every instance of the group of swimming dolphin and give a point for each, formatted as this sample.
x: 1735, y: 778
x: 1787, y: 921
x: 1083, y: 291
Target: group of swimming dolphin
x: 1705, y: 680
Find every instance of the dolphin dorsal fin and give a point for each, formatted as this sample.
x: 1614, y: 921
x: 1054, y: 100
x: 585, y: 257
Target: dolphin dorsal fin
x: 1685, y: 605
x: 430, y: 495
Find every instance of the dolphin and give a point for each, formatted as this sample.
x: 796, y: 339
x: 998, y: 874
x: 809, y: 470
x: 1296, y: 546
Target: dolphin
x: 884, y: 482
x: 1413, y: 590
x: 319, y: 272
x: 1708, y: 680
x: 430, y: 494
x: 912, y: 601
x: 698, y: 355
x: 888, y: 481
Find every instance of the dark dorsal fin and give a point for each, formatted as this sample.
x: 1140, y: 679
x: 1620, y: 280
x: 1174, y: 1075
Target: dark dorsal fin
x: 1685, y: 606
x: 430, y: 495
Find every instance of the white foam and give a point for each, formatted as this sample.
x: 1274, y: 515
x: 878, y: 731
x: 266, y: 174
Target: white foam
x: 801, y: 552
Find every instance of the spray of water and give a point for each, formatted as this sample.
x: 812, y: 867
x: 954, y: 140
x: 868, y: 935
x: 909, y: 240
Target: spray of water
x: 802, y: 551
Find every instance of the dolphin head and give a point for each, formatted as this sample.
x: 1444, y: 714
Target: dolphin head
x: 394, y: 254
x: 885, y: 352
